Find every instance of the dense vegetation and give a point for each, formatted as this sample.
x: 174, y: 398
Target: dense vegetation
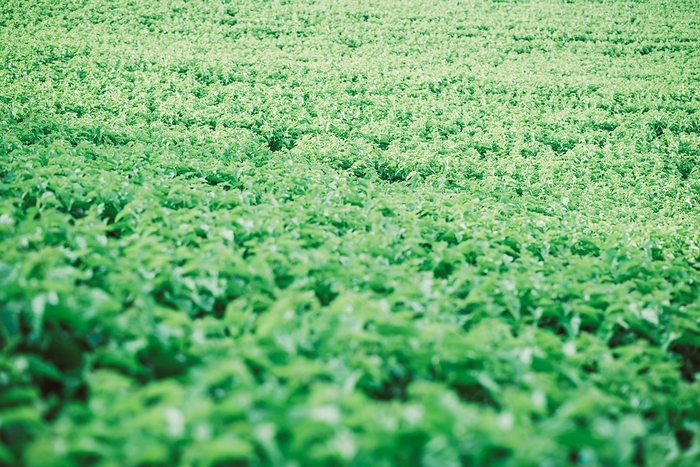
x: 316, y: 233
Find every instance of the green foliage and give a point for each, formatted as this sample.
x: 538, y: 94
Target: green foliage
x: 349, y: 233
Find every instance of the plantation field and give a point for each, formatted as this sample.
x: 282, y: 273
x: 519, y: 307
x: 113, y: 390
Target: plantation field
x: 360, y: 233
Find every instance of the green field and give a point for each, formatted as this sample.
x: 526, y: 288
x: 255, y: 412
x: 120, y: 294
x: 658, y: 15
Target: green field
x: 359, y: 233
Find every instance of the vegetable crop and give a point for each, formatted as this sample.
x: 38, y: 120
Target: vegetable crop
x: 318, y: 233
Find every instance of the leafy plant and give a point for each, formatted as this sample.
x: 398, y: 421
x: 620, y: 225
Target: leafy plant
x: 309, y: 233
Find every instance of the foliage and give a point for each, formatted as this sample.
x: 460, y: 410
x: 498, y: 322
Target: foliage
x: 349, y: 233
